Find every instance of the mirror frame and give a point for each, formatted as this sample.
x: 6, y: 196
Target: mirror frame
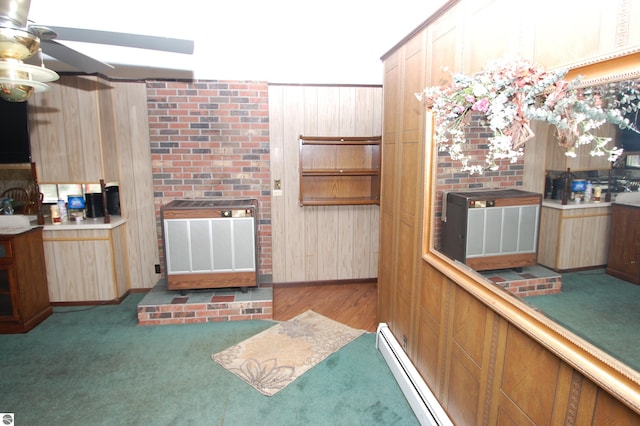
x: 603, y: 369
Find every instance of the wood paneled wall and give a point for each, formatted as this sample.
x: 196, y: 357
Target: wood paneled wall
x: 131, y: 141
x: 315, y: 243
x: 483, y: 368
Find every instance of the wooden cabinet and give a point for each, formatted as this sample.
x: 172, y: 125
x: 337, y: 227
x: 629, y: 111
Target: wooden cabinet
x: 24, y: 297
x: 86, y: 265
x: 624, y: 247
x: 66, y: 129
x: 87, y: 128
x: 574, y: 238
x: 338, y: 170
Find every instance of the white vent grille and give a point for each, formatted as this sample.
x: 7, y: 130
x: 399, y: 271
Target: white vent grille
x: 210, y: 245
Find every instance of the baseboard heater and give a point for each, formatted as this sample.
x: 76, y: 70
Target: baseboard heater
x: 424, y: 404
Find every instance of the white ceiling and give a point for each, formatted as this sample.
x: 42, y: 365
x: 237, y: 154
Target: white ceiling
x: 278, y: 41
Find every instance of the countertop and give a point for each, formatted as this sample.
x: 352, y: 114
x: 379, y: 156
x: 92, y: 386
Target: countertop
x: 17, y: 224
x: 557, y: 204
x: 624, y: 198
x: 629, y: 199
x: 87, y: 224
x: 14, y: 224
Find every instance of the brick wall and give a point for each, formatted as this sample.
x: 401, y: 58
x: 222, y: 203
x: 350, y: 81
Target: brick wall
x: 450, y: 178
x: 211, y: 139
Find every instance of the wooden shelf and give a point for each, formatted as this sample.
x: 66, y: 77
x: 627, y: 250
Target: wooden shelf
x: 339, y: 170
x: 339, y: 201
x: 340, y: 140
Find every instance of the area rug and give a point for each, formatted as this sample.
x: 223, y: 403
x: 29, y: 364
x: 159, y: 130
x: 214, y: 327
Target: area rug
x: 274, y: 358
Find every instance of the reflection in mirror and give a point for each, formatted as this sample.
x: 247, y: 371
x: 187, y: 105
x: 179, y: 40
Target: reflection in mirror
x: 592, y: 301
x: 543, y: 287
x: 506, y: 96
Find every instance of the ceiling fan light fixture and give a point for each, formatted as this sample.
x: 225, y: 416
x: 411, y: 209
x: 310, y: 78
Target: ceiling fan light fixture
x: 18, y: 81
x: 13, y: 92
x: 18, y: 43
x: 15, y: 11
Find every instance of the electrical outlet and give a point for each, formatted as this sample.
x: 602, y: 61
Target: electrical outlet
x: 404, y: 342
x: 157, y: 268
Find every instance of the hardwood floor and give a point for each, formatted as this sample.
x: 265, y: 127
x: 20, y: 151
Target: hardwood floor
x: 353, y: 304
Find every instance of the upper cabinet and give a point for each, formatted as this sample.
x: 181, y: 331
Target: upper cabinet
x: 336, y: 170
x: 71, y: 129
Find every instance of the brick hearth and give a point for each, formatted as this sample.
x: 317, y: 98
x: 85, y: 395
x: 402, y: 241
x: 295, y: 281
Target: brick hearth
x: 161, y: 306
x: 531, y: 281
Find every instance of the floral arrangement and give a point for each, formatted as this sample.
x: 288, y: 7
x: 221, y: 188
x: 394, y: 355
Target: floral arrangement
x: 509, y: 94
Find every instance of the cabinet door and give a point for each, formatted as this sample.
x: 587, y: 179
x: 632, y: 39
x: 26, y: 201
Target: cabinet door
x: 64, y: 125
x: 7, y: 302
x: 80, y: 266
x: 583, y: 239
x: 624, y: 249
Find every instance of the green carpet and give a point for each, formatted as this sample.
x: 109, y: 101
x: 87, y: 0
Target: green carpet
x: 98, y: 367
x: 599, y: 308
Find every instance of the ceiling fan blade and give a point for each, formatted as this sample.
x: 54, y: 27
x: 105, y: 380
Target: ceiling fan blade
x: 74, y: 58
x: 165, y: 44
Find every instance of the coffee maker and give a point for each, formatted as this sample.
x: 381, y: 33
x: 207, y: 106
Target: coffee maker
x: 113, y: 200
x: 94, y: 204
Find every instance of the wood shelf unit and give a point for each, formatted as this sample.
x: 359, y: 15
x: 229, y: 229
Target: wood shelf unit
x: 339, y: 170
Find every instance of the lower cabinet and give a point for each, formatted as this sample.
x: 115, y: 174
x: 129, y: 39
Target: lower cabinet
x: 86, y: 265
x: 574, y: 238
x: 624, y: 247
x: 24, y: 297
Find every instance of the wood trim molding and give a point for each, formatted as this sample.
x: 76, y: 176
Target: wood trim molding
x: 615, y: 66
x: 421, y: 27
x: 372, y: 280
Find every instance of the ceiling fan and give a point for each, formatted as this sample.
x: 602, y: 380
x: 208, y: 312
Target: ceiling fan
x: 21, y: 40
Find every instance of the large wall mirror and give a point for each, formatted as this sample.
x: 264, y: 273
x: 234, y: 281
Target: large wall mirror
x: 583, y: 353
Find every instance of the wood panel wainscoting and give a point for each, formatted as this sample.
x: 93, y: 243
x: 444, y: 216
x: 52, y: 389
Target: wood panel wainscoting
x: 487, y: 357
